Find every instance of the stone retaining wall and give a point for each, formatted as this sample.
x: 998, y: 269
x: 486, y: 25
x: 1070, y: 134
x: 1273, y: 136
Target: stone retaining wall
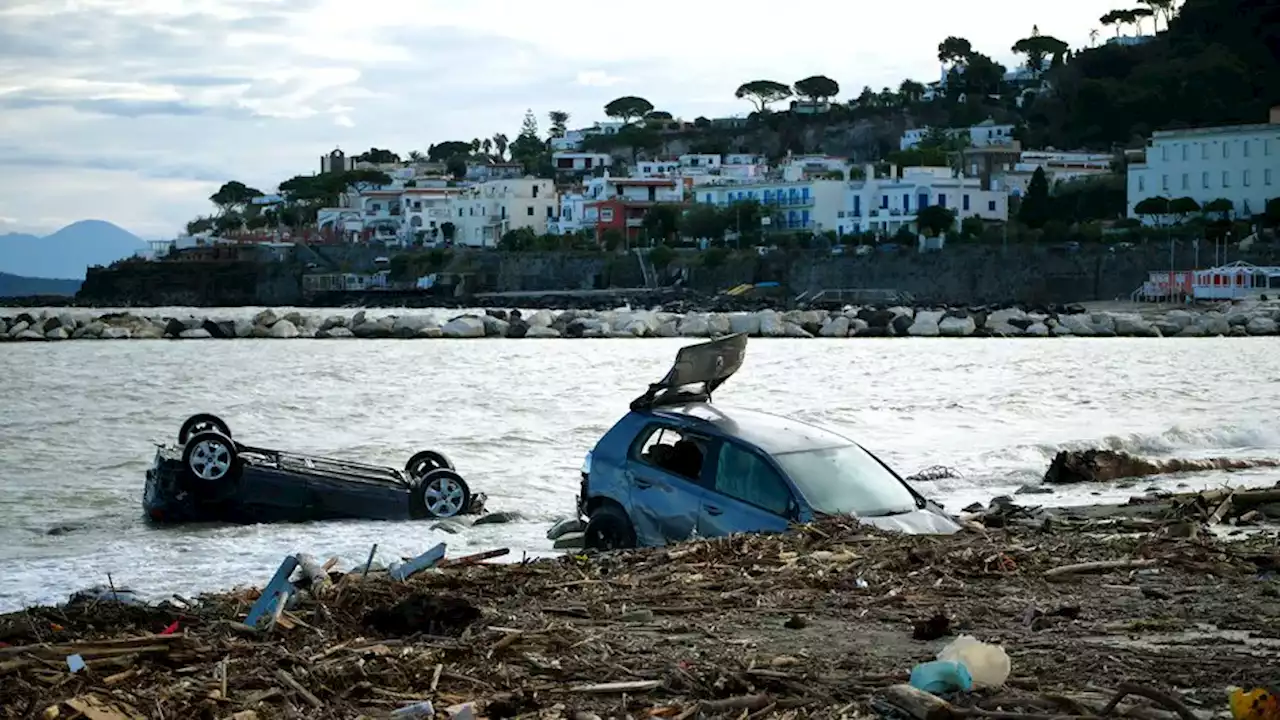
x: 1241, y: 319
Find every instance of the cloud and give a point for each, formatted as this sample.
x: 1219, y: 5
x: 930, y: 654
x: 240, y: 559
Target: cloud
x: 162, y: 98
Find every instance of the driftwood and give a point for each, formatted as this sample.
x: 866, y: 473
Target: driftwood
x: 919, y: 704
x: 314, y: 574
x: 1077, y: 466
x: 1098, y: 567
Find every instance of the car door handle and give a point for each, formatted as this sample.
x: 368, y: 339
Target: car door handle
x: 713, y: 510
x: 642, y: 483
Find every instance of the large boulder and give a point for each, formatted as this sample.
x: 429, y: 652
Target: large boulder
x: 381, y: 328
x: 517, y: 328
x: 541, y: 318
x: 771, y: 324
x: 1132, y: 325
x: 59, y: 333
x: 266, y: 318
x: 112, y: 332
x: 1261, y: 325
x: 837, y: 326
x: 925, y: 324
x: 741, y: 322
x: 407, y: 326
x: 1008, y: 322
x: 334, y: 321
x: 284, y: 330
x: 952, y: 326
x: 695, y: 325
x: 472, y: 327
x: 494, y: 326
x: 193, y: 334
x: 334, y: 333
x: 541, y: 331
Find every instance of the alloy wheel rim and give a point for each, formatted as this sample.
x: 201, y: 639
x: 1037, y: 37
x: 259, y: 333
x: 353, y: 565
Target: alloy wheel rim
x: 444, y: 497
x: 210, y: 460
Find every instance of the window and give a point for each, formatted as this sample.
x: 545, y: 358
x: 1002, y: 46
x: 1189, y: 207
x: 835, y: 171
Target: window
x: 1245, y: 178
x: 1142, y: 184
x: 1204, y: 179
x: 846, y: 480
x: 1245, y: 147
x: 991, y: 206
x: 535, y: 191
x: 671, y: 450
x: 745, y: 476
x: 1266, y: 146
x: 966, y: 203
x: 551, y: 212
x: 529, y: 211
x: 1186, y: 181
x: 1164, y: 182
x: 1226, y: 150
x: 1204, y: 153
x: 942, y: 200
x: 1266, y: 176
x: 1226, y: 178
x: 606, y: 214
x: 1184, y: 152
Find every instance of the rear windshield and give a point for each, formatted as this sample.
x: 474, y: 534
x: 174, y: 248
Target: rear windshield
x: 846, y: 480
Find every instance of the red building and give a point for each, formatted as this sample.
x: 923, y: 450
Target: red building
x: 624, y: 202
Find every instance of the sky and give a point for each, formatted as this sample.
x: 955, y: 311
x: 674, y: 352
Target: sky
x: 135, y: 111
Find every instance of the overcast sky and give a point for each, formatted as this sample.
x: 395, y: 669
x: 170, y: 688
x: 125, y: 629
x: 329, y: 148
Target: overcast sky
x: 134, y: 111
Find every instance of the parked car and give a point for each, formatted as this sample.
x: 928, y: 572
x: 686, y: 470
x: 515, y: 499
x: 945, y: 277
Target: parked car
x: 676, y: 465
x: 209, y: 476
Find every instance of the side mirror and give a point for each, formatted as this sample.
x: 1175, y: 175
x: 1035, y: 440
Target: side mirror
x: 793, y: 510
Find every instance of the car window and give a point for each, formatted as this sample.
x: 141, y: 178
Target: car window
x: 744, y: 475
x: 669, y: 449
x: 846, y: 480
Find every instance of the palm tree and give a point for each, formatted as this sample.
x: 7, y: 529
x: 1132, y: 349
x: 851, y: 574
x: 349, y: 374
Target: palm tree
x: 1093, y: 37
x: 500, y: 145
x: 487, y: 146
x: 416, y: 156
x: 475, y: 145
x: 559, y: 122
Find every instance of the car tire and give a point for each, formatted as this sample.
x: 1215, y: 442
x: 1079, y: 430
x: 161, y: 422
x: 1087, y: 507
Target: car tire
x: 609, y: 528
x: 426, y: 461
x: 210, y: 460
x: 440, y: 494
x: 202, y: 422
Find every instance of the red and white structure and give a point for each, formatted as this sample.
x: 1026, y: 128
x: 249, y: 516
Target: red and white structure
x: 1226, y: 282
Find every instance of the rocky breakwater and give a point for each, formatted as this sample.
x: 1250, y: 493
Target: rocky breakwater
x: 1075, y: 321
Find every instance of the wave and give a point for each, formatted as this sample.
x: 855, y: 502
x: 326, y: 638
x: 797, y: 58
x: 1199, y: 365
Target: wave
x: 1181, y: 439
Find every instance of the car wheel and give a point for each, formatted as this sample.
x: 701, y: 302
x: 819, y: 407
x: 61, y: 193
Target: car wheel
x: 426, y: 461
x: 210, y: 458
x: 201, y: 422
x: 441, y: 493
x: 608, y: 528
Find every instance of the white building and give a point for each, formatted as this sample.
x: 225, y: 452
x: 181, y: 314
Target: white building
x: 983, y: 134
x: 636, y: 190
x: 802, y: 167
x: 571, y: 216
x: 812, y: 205
x: 485, y: 212
x: 1057, y: 166
x: 572, y: 161
x: 884, y: 205
x: 1240, y: 163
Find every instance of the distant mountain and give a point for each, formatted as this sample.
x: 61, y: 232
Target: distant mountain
x: 68, y: 252
x: 18, y: 286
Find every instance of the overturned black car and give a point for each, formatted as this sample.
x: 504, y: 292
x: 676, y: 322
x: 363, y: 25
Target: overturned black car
x: 210, y: 477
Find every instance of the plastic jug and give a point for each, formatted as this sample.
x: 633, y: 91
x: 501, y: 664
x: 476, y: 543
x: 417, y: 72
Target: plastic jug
x: 941, y: 676
x: 988, y: 664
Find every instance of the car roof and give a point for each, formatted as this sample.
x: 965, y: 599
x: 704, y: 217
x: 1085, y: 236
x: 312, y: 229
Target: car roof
x: 773, y: 434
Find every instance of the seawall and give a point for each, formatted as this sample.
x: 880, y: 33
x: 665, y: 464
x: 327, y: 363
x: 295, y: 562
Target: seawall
x: 958, y: 275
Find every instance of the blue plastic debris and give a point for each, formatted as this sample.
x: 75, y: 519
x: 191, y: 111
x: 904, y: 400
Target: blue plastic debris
x: 422, y: 562
x: 75, y: 663
x: 423, y: 709
x: 271, y: 593
x: 941, y: 676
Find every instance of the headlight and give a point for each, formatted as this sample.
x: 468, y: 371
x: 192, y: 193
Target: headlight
x: 586, y: 464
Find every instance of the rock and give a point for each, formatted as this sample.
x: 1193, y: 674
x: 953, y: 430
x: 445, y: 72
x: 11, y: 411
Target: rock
x: 952, y: 326
x: 695, y: 326
x: 409, y: 325
x: 1192, y: 331
x: 771, y: 324
x: 174, y: 328
x: 1037, y: 329
x: 28, y: 334
x: 58, y: 333
x: 668, y: 329
x: 266, y: 318
x: 741, y: 322
x: 858, y: 326
x: 196, y: 334
x: 115, y: 333
x: 1077, y: 324
x: 835, y: 327
x: 494, y: 326
x: 541, y: 318
x: 375, y: 328
x: 517, y: 328
x: 925, y: 324
x: 1007, y: 322
x: 18, y: 327
x: 284, y: 330
x: 1130, y: 325
x: 358, y: 319
x: 260, y: 331
x: 496, y: 518
x: 430, y: 331
x: 1261, y: 325
x: 1179, y: 319
x: 541, y: 331
x: 149, y: 332
x: 469, y: 327
x: 902, y: 323
x: 333, y: 321
x: 1034, y: 490
x: 335, y: 333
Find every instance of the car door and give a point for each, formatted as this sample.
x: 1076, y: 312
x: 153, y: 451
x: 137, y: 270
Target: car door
x: 745, y: 493
x: 666, y: 469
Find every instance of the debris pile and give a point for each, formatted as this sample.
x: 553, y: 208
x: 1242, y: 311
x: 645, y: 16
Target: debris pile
x: 824, y: 621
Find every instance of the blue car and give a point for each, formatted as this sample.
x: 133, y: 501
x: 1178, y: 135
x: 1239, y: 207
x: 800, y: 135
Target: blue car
x: 677, y: 466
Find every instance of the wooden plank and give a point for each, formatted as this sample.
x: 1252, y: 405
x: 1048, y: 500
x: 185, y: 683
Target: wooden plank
x: 420, y: 563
